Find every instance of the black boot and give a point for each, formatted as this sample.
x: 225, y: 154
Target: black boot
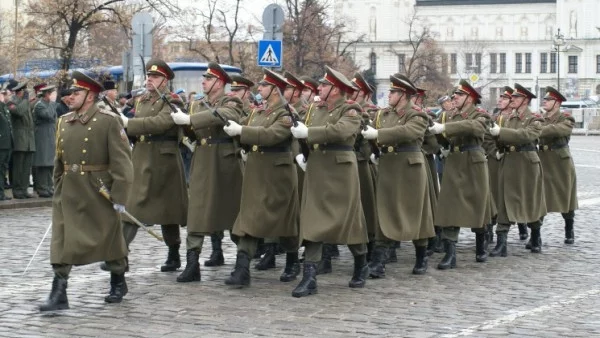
x: 449, y: 260
x: 431, y: 243
x: 480, y: 254
x: 421, y: 262
x: 240, y: 277
x: 325, y: 263
x: 104, y: 267
x: 216, y: 256
x: 118, y: 288
x: 391, y: 256
x: 536, y: 240
x: 523, y: 235
x: 173, y: 261
x: 361, y: 272
x: 569, y: 232
x: 191, y: 273
x: 292, y: 267
x: 335, y: 251
x: 490, y: 233
x: 260, y: 249
x: 268, y: 259
x: 501, y: 246
x: 370, y: 248
x: 308, y: 284
x: 377, y: 264
x: 58, y: 296
x: 439, y: 243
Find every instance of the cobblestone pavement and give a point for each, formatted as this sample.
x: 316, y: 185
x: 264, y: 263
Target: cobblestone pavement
x: 552, y: 294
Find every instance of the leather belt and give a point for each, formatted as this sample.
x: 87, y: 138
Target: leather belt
x: 274, y: 149
x: 465, y: 147
x: 209, y: 141
x: 400, y: 149
x: 85, y: 167
x: 156, y: 138
x: 524, y: 147
x: 548, y: 147
x: 331, y: 147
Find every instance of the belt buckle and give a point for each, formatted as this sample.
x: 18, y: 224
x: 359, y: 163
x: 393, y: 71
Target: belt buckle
x: 546, y: 147
x: 513, y: 148
x: 142, y: 138
x: 74, y: 167
x: 316, y: 146
x: 255, y: 148
x: 456, y: 149
x: 390, y: 149
x: 203, y: 141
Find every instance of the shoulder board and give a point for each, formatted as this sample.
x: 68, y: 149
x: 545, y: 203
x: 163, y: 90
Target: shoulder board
x: 481, y: 110
x: 67, y: 114
x: 350, y: 101
x: 567, y: 114
x: 538, y: 115
x: 106, y: 112
x: 417, y: 108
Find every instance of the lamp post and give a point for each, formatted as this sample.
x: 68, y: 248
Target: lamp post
x: 559, y: 40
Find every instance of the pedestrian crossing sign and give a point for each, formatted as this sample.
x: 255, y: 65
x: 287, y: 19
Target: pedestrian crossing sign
x: 269, y: 53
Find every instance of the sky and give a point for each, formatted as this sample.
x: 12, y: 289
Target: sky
x: 251, y: 10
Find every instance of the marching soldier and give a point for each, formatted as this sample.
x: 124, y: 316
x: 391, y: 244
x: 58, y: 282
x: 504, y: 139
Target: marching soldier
x: 310, y: 91
x: 92, y: 152
x: 215, y: 177
x: 241, y: 88
x: 331, y: 211
x: 402, y: 167
x: 518, y: 137
x: 44, y: 112
x: 159, y: 193
x: 464, y: 199
x: 560, y: 180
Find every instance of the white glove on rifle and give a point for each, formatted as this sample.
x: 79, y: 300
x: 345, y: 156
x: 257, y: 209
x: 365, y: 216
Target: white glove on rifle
x: 180, y: 118
x: 119, y: 208
x: 125, y: 120
x: 301, y: 131
x: 437, y: 128
x: 244, y: 155
x: 374, y: 159
x: 190, y: 145
x: 301, y: 161
x: 370, y: 134
x: 444, y: 152
x: 499, y: 155
x: 233, y: 129
x: 495, y: 130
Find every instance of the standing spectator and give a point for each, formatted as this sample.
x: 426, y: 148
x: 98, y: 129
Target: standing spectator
x: 5, y: 142
x: 62, y: 103
x: 44, y: 112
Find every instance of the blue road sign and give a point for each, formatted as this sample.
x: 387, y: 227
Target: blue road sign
x: 270, y: 53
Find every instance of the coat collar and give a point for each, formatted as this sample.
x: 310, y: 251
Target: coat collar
x: 85, y: 117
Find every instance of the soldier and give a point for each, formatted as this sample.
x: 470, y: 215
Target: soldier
x: 5, y: 142
x: 92, y: 152
x: 310, y: 90
x: 464, y: 199
x: 518, y: 137
x: 331, y: 211
x: 44, y: 113
x: 402, y: 167
x: 269, y: 206
x: 241, y: 88
x: 215, y: 177
x: 560, y: 180
x: 112, y: 94
x: 159, y: 194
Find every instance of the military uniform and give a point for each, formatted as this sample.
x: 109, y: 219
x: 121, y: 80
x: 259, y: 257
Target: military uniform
x: 23, y: 143
x: 5, y: 147
x: 44, y: 113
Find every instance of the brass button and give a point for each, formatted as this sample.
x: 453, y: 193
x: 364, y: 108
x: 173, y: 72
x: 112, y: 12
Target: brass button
x: 513, y: 148
x: 82, y: 173
x: 142, y: 138
x: 255, y: 148
x: 89, y: 128
x: 203, y: 141
x: 390, y: 149
x: 82, y: 162
x: 84, y: 151
x: 456, y: 148
x: 85, y: 139
x: 315, y: 146
x: 94, y: 119
x: 546, y: 147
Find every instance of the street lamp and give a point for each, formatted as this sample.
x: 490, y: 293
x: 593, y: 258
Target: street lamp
x: 559, y: 40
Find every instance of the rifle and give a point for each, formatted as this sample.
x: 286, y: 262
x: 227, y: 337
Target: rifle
x: 187, y: 131
x: 216, y: 113
x: 374, y: 146
x: 303, y: 143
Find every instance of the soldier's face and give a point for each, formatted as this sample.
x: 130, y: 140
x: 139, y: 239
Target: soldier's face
x: 516, y: 101
x: 265, y: 90
x: 503, y: 102
x: 360, y: 97
x: 239, y: 93
x: 78, y: 99
x: 288, y: 93
x: 210, y: 84
x: 155, y: 82
x: 307, y: 94
x: 324, y: 89
x: 394, y: 97
x: 549, y: 104
x: 459, y: 99
x: 447, y: 105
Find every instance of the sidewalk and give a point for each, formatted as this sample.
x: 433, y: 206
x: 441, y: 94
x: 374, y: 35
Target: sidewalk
x: 14, y: 203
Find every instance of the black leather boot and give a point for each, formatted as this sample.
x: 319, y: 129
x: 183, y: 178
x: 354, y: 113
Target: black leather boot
x: 240, y: 277
x: 536, y: 240
x: 431, y: 243
x: 335, y: 251
x: 260, y: 249
x: 118, y: 288
x: 292, y: 267
x: 361, y: 272
x: 490, y: 233
x: 391, y: 256
x: 268, y: 259
x: 308, y: 284
x: 58, y: 296
x: 480, y: 254
x: 325, y: 263
x: 216, y: 256
x: 370, y: 248
x: 501, y: 245
x: 569, y: 232
x: 191, y: 273
x: 439, y: 243
x: 377, y: 264
x: 421, y: 261
x: 173, y: 261
x: 523, y: 235
x: 449, y: 260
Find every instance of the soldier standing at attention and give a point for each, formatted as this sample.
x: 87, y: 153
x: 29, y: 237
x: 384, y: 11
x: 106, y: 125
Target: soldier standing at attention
x: 521, y: 197
x: 159, y: 193
x: 464, y: 199
x: 92, y: 152
x: 215, y: 177
x: 5, y: 142
x: 44, y: 112
x: 560, y: 180
x: 331, y: 211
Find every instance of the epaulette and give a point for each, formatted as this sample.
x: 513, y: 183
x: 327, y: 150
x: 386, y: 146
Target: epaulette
x: 538, y: 115
x: 230, y: 94
x: 567, y: 114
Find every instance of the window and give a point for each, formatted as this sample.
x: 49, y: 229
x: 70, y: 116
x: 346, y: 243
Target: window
x: 553, y: 63
x: 373, y: 61
x: 494, y: 92
x: 444, y: 63
x: 528, y: 63
x: 493, y: 62
x: 502, y: 63
x: 469, y: 61
x: 543, y: 62
x: 597, y: 63
x: 572, y: 64
x: 401, y: 63
x: 453, y: 63
x: 518, y: 63
x: 478, y: 63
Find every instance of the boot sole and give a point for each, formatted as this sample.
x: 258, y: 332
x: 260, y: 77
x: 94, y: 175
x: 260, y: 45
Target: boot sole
x: 416, y: 272
x: 187, y: 280
x: 169, y: 269
x: 211, y: 264
x: 238, y: 286
x: 303, y: 294
x: 42, y: 308
x: 113, y: 301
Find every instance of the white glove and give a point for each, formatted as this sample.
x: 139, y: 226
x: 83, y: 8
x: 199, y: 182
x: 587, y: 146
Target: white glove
x: 370, y: 134
x: 437, y: 128
x: 301, y: 131
x: 374, y: 159
x: 125, y: 120
x: 119, y: 208
x: 233, y: 129
x: 244, y: 155
x: 499, y: 155
x: 190, y: 145
x: 317, y: 98
x: 301, y: 161
x: 495, y: 130
x: 444, y: 152
x: 180, y: 118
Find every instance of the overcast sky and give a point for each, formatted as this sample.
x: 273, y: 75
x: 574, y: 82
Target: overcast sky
x: 251, y: 10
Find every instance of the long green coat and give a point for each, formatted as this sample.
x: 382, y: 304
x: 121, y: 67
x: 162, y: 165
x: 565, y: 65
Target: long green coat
x: 269, y: 205
x: 520, y: 184
x: 301, y: 109
x: 85, y: 227
x: 430, y: 148
x: 215, y: 174
x: 331, y: 211
x: 465, y: 199
x: 5, y: 128
x: 403, y: 184
x: 159, y: 192
x: 560, y: 180
x: 363, y: 152
x: 45, y: 133
x: 22, y: 125
x: 493, y: 162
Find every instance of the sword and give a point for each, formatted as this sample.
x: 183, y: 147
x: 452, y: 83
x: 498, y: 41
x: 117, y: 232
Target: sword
x: 38, y: 248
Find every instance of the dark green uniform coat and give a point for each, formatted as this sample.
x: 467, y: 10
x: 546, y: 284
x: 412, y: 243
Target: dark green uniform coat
x: 269, y: 205
x: 430, y: 148
x: 301, y: 110
x: 45, y: 133
x: 22, y: 125
x: 520, y: 184
x: 363, y: 151
x: 331, y: 211
x: 403, y: 184
x: 215, y: 174
x: 5, y: 128
x: 85, y: 227
x: 493, y: 162
x: 159, y: 194
x: 465, y: 199
x: 560, y: 181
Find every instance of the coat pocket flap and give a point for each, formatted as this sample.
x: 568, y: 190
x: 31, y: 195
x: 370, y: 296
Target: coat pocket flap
x: 478, y: 157
x: 564, y: 153
x: 533, y: 157
x: 283, y: 160
x: 347, y: 157
x: 168, y: 150
x: 416, y: 159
